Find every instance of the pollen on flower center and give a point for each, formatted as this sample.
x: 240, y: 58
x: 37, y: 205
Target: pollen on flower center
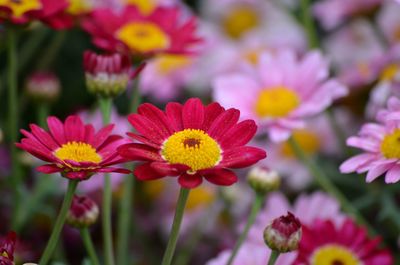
x: 143, y: 36
x: 334, y: 255
x: 145, y: 7
x: 240, y: 20
x: 168, y: 63
x: 77, y: 7
x: 308, y: 141
x: 390, y: 72
x: 276, y: 102
x: 78, y: 152
x: 193, y: 148
x: 390, y: 145
x: 20, y: 7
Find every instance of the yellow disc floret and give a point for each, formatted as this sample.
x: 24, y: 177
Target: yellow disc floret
x: 20, y: 7
x: 308, y: 141
x: 334, y: 255
x: 143, y: 37
x: 168, y: 63
x: 390, y: 146
x: 240, y: 20
x: 79, y: 7
x: 78, y: 152
x: 390, y: 72
x: 193, y: 148
x: 200, y: 197
x: 145, y: 7
x: 276, y: 102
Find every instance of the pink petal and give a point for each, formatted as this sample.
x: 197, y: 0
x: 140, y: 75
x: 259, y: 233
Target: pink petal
x: 74, y: 129
x: 49, y: 169
x: 102, y: 135
x: 377, y: 171
x: 56, y: 128
x: 193, y: 114
x: 44, y: 137
x: 355, y: 162
x: 393, y: 175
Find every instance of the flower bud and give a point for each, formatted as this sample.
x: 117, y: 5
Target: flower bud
x: 83, y: 212
x: 43, y: 87
x: 263, y: 180
x: 106, y: 75
x: 7, y: 247
x: 283, y: 234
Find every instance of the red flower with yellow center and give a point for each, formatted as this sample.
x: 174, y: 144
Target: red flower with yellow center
x: 22, y: 11
x: 73, y: 148
x: 160, y: 31
x: 324, y: 244
x: 191, y: 141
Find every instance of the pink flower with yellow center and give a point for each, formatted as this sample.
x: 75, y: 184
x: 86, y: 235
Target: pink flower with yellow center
x: 280, y: 91
x: 191, y: 141
x: 380, y: 143
x: 324, y: 244
x: 161, y: 31
x: 22, y: 11
x: 73, y: 148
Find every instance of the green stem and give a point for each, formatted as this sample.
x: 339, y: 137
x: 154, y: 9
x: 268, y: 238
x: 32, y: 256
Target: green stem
x: 105, y: 107
x: 31, y: 46
x: 258, y: 201
x: 52, y: 50
x: 324, y: 182
x: 308, y: 22
x: 173, y: 237
x: 125, y: 214
x: 340, y: 135
x: 273, y: 258
x: 42, y: 114
x: 87, y: 241
x: 13, y: 118
x: 136, y: 97
x: 51, y: 244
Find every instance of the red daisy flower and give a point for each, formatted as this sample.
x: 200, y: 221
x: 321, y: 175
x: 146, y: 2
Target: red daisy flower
x: 132, y: 31
x: 324, y: 244
x: 23, y: 11
x: 191, y: 141
x: 73, y: 148
x: 7, y: 247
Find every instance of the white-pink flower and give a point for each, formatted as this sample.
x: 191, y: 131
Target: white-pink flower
x: 280, y: 91
x: 381, y: 146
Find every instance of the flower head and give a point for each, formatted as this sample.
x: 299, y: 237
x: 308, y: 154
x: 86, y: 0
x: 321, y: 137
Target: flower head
x: 280, y: 91
x: 73, y: 148
x: 7, y: 247
x: 381, y: 146
x: 262, y: 179
x: 106, y: 75
x: 43, y: 86
x: 161, y: 31
x: 283, y: 234
x: 191, y: 141
x: 323, y: 243
x: 83, y: 212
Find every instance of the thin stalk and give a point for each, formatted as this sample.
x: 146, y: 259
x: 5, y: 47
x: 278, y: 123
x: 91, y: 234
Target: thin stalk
x: 42, y: 114
x: 340, y: 135
x: 273, y: 258
x: 324, y: 182
x: 105, y: 107
x: 125, y: 207
x: 255, y: 208
x: 54, y: 238
x: 308, y: 22
x: 173, y: 237
x: 12, y: 85
x: 52, y: 50
x: 87, y: 241
x: 31, y: 46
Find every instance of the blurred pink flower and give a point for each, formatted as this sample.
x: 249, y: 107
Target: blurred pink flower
x: 380, y: 144
x: 331, y: 13
x: 280, y: 91
x: 389, y: 21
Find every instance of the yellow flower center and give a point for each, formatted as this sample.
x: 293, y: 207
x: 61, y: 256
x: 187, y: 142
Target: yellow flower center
x: 307, y: 140
x: 168, y: 63
x: 201, y: 196
x: 334, y: 255
x: 390, y: 145
x: 153, y: 189
x: 79, y: 7
x: 240, y: 20
x: 193, y: 148
x: 143, y: 37
x: 145, y: 7
x: 390, y: 72
x: 20, y: 7
x: 78, y: 152
x: 363, y: 69
x: 276, y: 102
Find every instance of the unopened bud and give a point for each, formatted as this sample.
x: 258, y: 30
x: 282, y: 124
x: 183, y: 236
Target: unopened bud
x: 263, y: 179
x: 283, y: 234
x: 7, y: 248
x: 106, y: 75
x: 43, y: 87
x: 83, y: 212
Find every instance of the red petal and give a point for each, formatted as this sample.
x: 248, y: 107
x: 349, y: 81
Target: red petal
x: 223, y: 123
x: 169, y: 169
x: 157, y: 116
x: 174, y: 115
x: 49, y: 169
x: 114, y: 169
x: 56, y: 128
x: 242, y: 156
x: 239, y: 135
x: 148, y: 128
x: 146, y: 172
x: 102, y: 135
x: 143, y: 139
x: 44, y: 137
x: 89, y: 133
x: 211, y: 112
x: 193, y: 114
x: 223, y: 177
x: 139, y: 152
x: 74, y: 129
x: 190, y: 181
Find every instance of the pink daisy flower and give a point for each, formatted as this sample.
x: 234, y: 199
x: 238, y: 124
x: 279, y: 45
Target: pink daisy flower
x: 379, y: 141
x: 280, y: 91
